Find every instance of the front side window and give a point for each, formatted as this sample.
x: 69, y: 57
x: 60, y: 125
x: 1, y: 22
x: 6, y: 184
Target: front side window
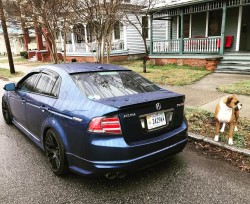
x: 46, y: 84
x: 101, y: 85
x: 28, y: 84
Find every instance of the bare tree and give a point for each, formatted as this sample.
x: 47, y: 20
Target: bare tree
x: 100, y: 16
x: 6, y: 38
x: 16, y: 11
x: 48, y: 15
x: 137, y: 15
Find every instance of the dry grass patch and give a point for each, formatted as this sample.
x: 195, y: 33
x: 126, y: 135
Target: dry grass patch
x: 5, y: 74
x: 168, y: 74
x: 242, y: 88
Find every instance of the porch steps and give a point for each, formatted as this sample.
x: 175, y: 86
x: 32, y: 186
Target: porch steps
x: 33, y: 59
x: 235, y: 64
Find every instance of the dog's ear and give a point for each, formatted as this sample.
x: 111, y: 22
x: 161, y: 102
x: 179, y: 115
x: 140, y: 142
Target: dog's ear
x: 229, y: 99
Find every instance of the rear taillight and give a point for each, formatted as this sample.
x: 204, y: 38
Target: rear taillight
x: 110, y: 125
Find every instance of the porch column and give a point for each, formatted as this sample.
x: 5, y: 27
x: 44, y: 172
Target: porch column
x: 239, y: 28
x: 223, y: 25
x: 73, y: 41
x: 190, y: 25
x: 86, y: 38
x: 181, y: 32
x: 39, y: 38
x: 125, y: 37
x: 207, y: 22
x: 62, y: 41
x: 151, y: 34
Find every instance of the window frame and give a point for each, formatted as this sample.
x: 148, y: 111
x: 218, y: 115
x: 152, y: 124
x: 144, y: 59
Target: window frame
x: 25, y: 78
x: 58, y: 78
x: 34, y: 91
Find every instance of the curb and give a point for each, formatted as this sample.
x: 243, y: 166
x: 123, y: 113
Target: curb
x: 220, y: 144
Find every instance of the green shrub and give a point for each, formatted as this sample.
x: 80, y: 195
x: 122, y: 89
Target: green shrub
x: 24, y: 54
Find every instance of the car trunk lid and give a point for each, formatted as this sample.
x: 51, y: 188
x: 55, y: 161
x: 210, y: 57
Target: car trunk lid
x: 148, y: 115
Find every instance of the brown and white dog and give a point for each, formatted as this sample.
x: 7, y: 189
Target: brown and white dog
x: 227, y: 111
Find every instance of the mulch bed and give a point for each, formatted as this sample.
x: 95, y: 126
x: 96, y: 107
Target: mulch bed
x: 239, y: 160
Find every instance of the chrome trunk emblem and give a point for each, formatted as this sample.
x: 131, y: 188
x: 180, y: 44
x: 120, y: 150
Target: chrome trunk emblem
x: 158, y: 106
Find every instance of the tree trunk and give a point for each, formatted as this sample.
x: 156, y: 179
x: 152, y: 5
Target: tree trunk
x: 6, y: 38
x: 144, y: 65
x: 145, y: 58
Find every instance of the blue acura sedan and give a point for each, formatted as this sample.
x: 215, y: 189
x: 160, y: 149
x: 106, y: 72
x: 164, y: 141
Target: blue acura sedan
x: 96, y: 119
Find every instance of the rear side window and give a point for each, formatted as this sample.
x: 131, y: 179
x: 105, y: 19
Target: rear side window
x: 100, y: 85
x: 29, y: 83
x: 47, y: 85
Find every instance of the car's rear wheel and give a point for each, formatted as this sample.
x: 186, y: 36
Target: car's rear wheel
x: 6, y: 112
x: 55, y: 153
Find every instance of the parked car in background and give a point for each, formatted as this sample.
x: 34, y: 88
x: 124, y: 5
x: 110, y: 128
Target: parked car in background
x: 96, y: 119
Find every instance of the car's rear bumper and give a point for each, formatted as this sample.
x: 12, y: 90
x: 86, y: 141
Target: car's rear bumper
x: 138, y: 155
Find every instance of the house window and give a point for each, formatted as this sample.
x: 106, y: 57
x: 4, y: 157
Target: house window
x: 214, y: 25
x: 79, y: 33
x: 144, y: 26
x: 117, y: 32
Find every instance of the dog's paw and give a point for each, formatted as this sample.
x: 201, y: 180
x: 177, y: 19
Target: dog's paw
x: 216, y: 138
x: 230, y: 141
x: 236, y: 129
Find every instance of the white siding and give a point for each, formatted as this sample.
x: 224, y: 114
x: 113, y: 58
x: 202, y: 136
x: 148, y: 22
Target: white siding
x: 135, y: 43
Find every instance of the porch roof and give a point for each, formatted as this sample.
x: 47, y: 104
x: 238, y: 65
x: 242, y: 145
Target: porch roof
x: 176, y: 4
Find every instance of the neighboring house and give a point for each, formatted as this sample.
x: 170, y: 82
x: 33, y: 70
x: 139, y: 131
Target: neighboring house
x: 81, y: 44
x: 16, y: 41
x: 203, y: 33
x: 127, y: 42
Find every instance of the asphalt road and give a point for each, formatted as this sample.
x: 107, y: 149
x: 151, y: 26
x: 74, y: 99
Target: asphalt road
x: 188, y: 177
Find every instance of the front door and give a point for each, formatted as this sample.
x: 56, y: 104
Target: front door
x: 245, y: 30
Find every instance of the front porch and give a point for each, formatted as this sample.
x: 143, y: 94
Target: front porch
x: 199, y: 33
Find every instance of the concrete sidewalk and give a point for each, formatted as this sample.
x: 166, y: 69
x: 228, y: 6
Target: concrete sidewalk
x: 204, y: 95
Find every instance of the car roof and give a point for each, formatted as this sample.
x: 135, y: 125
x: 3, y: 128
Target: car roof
x: 72, y: 68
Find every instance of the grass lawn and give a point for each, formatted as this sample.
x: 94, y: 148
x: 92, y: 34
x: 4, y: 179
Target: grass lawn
x: 15, y: 59
x: 168, y: 74
x: 242, y: 88
x: 202, y: 122
x: 5, y: 74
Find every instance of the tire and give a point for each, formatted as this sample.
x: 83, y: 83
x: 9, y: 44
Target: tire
x: 6, y: 112
x: 55, y: 153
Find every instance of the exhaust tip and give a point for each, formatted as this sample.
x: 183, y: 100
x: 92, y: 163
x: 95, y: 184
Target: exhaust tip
x: 114, y: 175
x: 111, y: 175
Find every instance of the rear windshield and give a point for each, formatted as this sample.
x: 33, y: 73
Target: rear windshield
x: 101, y: 85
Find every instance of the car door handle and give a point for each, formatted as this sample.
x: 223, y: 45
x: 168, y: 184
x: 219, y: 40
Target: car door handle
x: 23, y: 101
x: 44, y: 108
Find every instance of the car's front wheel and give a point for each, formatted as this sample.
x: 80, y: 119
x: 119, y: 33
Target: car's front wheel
x: 6, y: 112
x: 55, y: 153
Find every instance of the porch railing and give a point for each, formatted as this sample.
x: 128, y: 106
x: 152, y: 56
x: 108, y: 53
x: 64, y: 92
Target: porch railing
x: 166, y: 46
x: 202, y: 45
x: 190, y: 45
x: 81, y: 47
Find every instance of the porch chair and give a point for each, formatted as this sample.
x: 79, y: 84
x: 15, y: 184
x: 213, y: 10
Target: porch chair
x: 228, y: 42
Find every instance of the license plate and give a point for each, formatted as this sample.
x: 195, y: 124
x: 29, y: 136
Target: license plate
x: 156, y: 120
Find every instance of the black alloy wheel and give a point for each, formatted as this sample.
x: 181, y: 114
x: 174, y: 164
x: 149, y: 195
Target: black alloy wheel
x: 55, y: 153
x: 6, y: 112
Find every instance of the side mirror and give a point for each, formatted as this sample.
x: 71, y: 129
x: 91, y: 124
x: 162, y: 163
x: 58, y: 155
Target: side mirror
x: 9, y: 87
